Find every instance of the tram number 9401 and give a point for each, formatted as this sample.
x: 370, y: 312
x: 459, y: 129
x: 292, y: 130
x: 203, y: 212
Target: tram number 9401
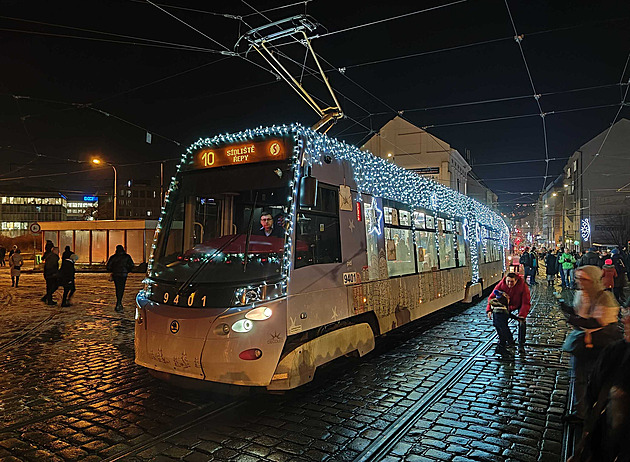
x: 185, y: 302
x: 351, y: 278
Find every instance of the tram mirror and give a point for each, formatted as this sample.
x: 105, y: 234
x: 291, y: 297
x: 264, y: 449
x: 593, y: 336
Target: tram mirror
x: 308, y: 191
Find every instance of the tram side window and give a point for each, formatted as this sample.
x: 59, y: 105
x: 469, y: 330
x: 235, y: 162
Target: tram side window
x: 400, y: 257
x: 317, y: 235
x: 426, y: 250
x: 447, y: 250
x: 461, y: 250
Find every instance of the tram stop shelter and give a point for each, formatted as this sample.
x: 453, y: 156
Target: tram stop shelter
x: 95, y: 241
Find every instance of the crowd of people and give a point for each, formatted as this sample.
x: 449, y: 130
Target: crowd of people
x: 563, y: 263
x: 59, y: 271
x: 599, y: 348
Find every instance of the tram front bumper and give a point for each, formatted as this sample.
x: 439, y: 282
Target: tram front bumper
x: 192, y: 343
x: 170, y: 339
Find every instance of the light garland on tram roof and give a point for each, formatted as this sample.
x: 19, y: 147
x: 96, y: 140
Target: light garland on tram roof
x: 373, y: 176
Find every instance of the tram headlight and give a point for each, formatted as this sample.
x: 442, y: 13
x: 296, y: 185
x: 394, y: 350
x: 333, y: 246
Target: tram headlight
x: 243, y: 325
x: 259, y: 314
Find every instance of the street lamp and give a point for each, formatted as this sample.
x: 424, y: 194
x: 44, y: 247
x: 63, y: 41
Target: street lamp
x: 97, y: 161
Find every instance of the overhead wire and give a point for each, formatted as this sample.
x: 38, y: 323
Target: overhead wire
x: 62, y: 26
x: 518, y: 38
x: 360, y: 86
x: 622, y: 104
x: 504, y: 99
x: 393, y: 18
x: 482, y: 42
x: 518, y: 116
x: 95, y: 39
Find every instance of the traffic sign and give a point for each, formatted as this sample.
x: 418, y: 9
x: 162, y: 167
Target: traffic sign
x: 34, y: 228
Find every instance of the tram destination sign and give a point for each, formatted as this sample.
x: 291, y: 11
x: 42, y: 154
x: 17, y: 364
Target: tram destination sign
x: 242, y: 153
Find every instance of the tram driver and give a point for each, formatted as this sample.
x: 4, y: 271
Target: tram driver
x: 268, y: 227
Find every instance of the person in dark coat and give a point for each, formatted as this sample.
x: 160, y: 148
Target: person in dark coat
x: 607, y: 425
x: 66, y: 276
x: 51, y: 274
x: 590, y: 258
x: 551, y: 262
x: 620, y: 280
x: 47, y: 249
x: 66, y: 253
x: 3, y: 252
x: 120, y: 264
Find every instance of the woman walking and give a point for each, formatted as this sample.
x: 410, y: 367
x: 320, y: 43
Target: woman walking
x: 15, y: 262
x: 551, y: 262
x: 594, y: 319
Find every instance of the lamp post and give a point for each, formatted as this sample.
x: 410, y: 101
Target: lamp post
x: 97, y: 161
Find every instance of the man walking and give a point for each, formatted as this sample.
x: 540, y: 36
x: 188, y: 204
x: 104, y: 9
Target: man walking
x: 120, y: 264
x: 51, y: 274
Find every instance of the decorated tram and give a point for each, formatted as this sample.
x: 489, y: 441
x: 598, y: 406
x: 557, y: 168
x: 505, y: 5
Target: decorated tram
x: 280, y: 249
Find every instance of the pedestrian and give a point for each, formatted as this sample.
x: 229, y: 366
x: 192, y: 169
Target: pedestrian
x: 12, y: 251
x: 526, y: 260
x: 607, y: 425
x: 3, y: 252
x: 47, y: 249
x: 51, y: 274
x: 519, y: 301
x: 594, y: 318
x: 551, y: 264
x: 620, y: 280
x: 534, y: 270
x: 567, y: 262
x: 66, y: 276
x: 119, y: 265
x: 590, y: 258
x: 15, y: 263
x: 500, y: 315
x: 66, y: 253
x: 609, y: 273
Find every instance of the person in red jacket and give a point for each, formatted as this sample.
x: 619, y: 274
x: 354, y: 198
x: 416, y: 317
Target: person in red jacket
x: 517, y: 293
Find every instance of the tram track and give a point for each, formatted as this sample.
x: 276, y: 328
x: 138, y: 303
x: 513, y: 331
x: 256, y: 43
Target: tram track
x: 381, y: 447
x: 190, y: 423
x: 25, y: 335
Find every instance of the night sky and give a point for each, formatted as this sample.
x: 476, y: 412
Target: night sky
x: 94, y: 95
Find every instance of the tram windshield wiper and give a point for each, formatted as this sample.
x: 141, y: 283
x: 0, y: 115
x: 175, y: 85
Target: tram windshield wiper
x: 249, y: 233
x: 205, y: 262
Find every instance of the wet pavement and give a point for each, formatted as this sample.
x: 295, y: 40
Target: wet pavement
x: 433, y: 391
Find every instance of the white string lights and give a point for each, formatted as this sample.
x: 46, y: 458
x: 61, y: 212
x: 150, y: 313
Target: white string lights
x: 373, y: 176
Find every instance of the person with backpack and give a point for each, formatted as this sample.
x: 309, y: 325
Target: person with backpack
x: 120, y: 264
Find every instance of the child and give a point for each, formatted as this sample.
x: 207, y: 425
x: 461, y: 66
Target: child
x: 500, y: 315
x: 609, y: 275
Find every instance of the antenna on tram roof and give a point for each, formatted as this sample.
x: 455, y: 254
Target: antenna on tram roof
x: 299, y: 25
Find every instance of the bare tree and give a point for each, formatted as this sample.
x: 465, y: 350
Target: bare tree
x: 615, y: 227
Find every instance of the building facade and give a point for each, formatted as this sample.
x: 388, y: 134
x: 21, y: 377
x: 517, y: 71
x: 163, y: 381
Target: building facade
x: 415, y: 149
x: 19, y: 210
x: 596, y: 190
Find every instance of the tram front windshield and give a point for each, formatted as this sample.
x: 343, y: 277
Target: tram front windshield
x: 225, y: 227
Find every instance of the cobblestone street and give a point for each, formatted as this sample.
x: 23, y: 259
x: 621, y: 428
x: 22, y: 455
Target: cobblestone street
x: 432, y: 391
